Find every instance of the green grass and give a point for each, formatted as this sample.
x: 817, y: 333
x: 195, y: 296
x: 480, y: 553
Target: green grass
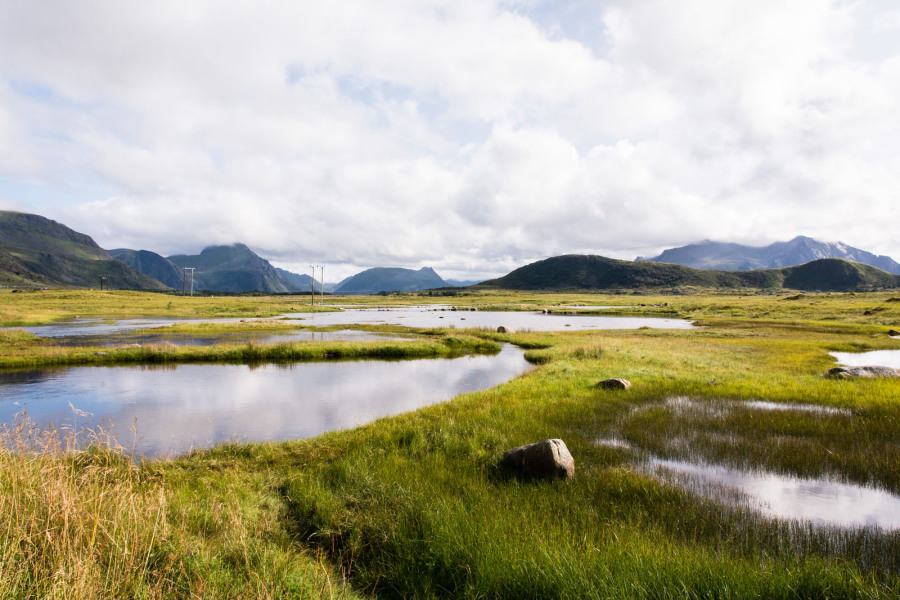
x: 26, y: 351
x: 417, y: 506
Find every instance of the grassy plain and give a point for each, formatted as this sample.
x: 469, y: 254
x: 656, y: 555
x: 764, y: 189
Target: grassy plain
x: 417, y: 506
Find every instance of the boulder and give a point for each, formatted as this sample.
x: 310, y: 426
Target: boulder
x: 870, y: 371
x: 503, y: 329
x: 615, y: 383
x: 549, y: 459
x: 893, y: 332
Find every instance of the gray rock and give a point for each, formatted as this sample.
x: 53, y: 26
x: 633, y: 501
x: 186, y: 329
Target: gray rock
x: 894, y: 332
x: 870, y: 371
x: 549, y: 459
x: 615, y: 383
x: 503, y: 329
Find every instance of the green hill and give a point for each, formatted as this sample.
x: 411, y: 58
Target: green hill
x: 586, y: 272
x: 36, y: 251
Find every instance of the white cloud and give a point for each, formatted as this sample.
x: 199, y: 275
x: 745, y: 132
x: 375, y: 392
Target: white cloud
x: 467, y: 135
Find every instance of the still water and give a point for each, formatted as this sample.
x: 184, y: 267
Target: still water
x: 430, y: 316
x: 185, y: 339
x: 111, y: 332
x: 824, y: 501
x: 180, y: 407
x: 875, y: 358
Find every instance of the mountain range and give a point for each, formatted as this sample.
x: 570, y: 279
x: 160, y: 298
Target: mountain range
x: 38, y: 252
x: 231, y: 268
x: 736, y: 257
x: 585, y: 272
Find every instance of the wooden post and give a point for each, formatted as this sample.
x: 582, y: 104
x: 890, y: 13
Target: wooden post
x: 312, y: 287
x: 322, y: 286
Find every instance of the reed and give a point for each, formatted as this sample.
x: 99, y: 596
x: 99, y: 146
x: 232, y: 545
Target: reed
x: 416, y: 506
x: 24, y: 351
x: 82, y: 519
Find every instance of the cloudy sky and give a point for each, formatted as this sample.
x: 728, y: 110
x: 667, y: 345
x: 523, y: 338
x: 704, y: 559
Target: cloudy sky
x: 473, y: 136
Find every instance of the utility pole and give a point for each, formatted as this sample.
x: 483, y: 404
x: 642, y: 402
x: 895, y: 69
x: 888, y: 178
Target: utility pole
x: 312, y: 286
x: 184, y: 279
x: 322, y: 285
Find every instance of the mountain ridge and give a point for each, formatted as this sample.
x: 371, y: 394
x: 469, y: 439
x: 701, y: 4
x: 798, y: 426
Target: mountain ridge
x: 591, y: 272
x: 728, y: 256
x: 37, y: 251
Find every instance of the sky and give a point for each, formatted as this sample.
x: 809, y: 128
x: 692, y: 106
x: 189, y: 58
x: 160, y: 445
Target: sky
x: 471, y: 136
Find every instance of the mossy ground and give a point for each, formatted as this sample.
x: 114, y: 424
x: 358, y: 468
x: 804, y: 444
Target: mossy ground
x: 415, y: 505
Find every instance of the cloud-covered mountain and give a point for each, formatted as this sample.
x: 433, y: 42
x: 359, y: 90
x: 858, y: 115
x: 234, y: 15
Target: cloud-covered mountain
x: 233, y: 268
x: 737, y: 257
x: 236, y: 268
x: 581, y: 272
x: 384, y: 279
x: 35, y: 250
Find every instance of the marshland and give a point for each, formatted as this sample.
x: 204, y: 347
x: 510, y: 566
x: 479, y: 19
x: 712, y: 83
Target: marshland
x: 417, y: 505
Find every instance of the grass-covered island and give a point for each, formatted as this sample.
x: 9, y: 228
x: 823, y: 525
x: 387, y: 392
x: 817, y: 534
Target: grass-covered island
x: 418, y: 506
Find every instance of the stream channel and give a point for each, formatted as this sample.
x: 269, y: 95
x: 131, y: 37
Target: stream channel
x: 168, y: 410
x: 164, y: 411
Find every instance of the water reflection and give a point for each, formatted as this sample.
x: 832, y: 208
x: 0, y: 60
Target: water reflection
x: 424, y: 316
x: 102, y: 332
x: 690, y: 431
x: 821, y: 501
x: 267, y: 337
x: 101, y: 327
x: 875, y: 358
x: 180, y: 407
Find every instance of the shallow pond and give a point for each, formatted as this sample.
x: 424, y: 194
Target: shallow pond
x: 430, y: 316
x: 875, y: 358
x: 185, y: 339
x: 110, y: 332
x: 77, y: 327
x: 180, y: 407
x: 822, y: 500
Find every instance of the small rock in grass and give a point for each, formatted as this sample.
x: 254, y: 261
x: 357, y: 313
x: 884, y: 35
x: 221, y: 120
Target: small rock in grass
x: 868, y: 371
x: 615, y: 383
x: 894, y: 332
x: 503, y: 329
x: 549, y: 459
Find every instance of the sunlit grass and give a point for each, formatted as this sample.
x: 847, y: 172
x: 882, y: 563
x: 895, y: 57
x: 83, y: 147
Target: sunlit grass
x: 415, y: 505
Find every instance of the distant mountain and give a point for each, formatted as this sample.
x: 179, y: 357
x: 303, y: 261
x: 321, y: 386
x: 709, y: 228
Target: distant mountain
x: 151, y: 264
x: 234, y: 268
x: 384, y: 279
x: 737, y: 257
x: 36, y: 251
x: 580, y: 272
x: 458, y: 283
x: 299, y: 283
